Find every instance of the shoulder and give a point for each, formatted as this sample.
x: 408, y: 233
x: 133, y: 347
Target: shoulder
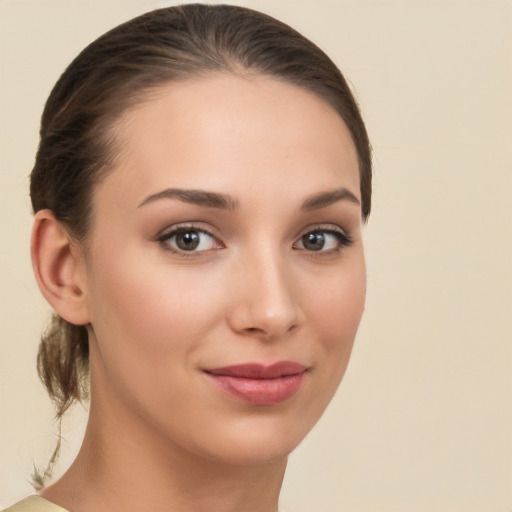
x: 34, y: 504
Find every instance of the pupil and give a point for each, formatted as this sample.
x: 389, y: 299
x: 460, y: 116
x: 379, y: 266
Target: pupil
x: 313, y: 241
x: 187, y: 241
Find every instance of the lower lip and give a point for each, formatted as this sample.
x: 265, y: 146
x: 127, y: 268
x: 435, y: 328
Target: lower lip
x: 260, y: 391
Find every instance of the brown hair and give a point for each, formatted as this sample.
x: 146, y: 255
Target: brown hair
x: 116, y: 71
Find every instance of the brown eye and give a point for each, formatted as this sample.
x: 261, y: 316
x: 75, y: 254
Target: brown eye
x: 323, y: 240
x: 189, y: 240
x: 313, y: 241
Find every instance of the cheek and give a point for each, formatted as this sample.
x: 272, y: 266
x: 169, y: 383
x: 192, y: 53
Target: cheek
x: 151, y: 297
x: 338, y: 304
x: 148, y: 317
x: 335, y: 312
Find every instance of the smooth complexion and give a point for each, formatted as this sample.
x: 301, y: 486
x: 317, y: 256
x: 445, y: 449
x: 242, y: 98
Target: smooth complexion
x: 227, y: 236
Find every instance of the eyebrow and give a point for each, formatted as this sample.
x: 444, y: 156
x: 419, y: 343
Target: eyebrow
x: 323, y: 199
x: 226, y: 202
x: 198, y: 197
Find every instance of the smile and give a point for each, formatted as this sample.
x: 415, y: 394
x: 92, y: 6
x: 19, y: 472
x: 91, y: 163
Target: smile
x: 258, y: 384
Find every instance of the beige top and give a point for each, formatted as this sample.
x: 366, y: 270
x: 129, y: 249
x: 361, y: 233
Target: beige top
x: 35, y: 504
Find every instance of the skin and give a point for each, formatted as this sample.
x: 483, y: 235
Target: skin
x: 161, y: 435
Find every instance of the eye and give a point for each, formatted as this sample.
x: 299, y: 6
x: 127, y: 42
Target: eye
x: 189, y: 239
x: 323, y: 240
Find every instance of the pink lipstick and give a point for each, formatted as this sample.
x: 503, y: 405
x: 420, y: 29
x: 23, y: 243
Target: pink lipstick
x: 258, y: 384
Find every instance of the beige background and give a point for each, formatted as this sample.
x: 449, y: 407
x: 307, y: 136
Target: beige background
x: 423, y: 420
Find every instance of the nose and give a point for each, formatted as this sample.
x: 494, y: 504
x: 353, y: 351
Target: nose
x: 265, y: 302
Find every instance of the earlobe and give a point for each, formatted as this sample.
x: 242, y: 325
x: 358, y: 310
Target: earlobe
x: 58, y: 268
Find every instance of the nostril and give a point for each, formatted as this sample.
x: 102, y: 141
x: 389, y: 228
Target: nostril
x: 271, y: 332
x: 254, y: 329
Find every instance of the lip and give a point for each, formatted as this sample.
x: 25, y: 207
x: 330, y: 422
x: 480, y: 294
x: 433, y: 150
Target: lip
x: 259, y: 384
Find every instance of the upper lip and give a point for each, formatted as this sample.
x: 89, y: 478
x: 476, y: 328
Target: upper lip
x: 259, y: 371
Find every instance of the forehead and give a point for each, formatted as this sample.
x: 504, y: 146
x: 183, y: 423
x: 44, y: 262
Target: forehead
x: 231, y: 134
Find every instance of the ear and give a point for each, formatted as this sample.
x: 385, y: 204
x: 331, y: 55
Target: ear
x: 59, y: 267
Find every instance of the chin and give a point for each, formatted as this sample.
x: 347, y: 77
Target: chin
x: 252, y: 441
x: 255, y: 453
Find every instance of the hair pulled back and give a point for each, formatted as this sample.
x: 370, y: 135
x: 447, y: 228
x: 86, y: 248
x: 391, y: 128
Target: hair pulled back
x: 118, y: 70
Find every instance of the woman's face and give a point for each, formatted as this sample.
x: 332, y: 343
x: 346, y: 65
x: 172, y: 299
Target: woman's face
x: 225, y: 274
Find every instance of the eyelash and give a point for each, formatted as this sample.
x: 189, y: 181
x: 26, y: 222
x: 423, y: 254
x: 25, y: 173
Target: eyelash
x: 166, y: 236
x: 343, y: 239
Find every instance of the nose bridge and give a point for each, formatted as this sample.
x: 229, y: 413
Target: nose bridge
x: 266, y: 304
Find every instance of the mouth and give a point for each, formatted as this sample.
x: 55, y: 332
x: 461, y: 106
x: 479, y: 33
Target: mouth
x: 258, y: 384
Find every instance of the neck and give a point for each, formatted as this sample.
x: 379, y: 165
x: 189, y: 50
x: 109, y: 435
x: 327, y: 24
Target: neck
x: 123, y: 465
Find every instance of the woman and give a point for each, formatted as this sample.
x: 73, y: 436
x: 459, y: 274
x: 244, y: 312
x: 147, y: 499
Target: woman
x: 199, y: 192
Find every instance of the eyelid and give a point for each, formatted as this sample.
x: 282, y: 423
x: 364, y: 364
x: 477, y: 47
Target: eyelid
x: 332, y: 228
x: 180, y: 226
x: 344, y: 237
x: 166, y: 234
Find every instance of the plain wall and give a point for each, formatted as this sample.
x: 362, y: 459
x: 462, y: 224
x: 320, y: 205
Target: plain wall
x: 423, y: 419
